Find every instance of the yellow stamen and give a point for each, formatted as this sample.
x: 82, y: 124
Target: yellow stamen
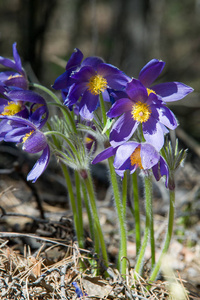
x: 97, y: 84
x: 141, y: 112
x: 88, y: 140
x: 27, y: 136
x: 11, y: 109
x: 136, y: 158
x: 149, y: 91
x: 13, y: 76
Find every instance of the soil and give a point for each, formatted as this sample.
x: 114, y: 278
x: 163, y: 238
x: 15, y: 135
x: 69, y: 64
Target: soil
x: 39, y: 256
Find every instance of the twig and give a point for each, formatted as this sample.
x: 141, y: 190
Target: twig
x: 16, y: 234
x: 11, y: 214
x: 62, y: 282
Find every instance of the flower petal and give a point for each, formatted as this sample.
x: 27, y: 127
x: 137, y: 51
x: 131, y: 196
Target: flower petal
x: 25, y: 95
x: 75, y: 59
x: 35, y: 143
x: 75, y: 91
x: 122, y: 129
x: 119, y: 107
x: 149, y: 156
x: 108, y: 152
x: 4, y: 128
x: 84, y: 74
x: 172, y: 91
x: 63, y: 81
x: 18, y: 63
x: 136, y: 91
x: 166, y: 117
x: 92, y: 61
x: 161, y: 169
x: 123, y: 154
x: 151, y: 71
x: 40, y: 165
x: 87, y: 105
x: 19, y: 81
x: 106, y: 96
x: 116, y: 78
x: 153, y: 133
x: 16, y: 135
x: 19, y: 121
x: 6, y: 62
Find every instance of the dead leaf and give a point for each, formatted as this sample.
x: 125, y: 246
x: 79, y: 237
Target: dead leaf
x: 96, y: 286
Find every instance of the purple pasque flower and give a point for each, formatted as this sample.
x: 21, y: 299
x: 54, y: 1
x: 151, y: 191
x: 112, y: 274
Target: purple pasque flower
x: 140, y: 108
x: 17, y: 77
x: 94, y: 78
x: 14, y: 102
x: 132, y: 155
x: 24, y: 131
x: 169, y: 91
x: 78, y: 291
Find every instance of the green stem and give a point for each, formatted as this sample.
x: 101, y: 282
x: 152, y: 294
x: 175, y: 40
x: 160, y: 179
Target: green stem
x: 88, y: 209
x: 124, y: 195
x: 136, y: 212
x: 79, y: 209
x: 103, y: 110
x: 46, y: 90
x: 70, y: 144
x: 64, y: 109
x: 168, y: 236
x: 148, y: 195
x: 73, y: 202
x: 122, y: 227
x: 152, y: 240
x: 100, y: 237
x: 120, y: 212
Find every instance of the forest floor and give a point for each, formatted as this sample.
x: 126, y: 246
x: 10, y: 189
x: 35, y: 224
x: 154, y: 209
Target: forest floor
x: 39, y: 256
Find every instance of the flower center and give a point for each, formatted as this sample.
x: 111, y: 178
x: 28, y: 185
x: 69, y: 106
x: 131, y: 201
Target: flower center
x: 149, y: 91
x: 27, y: 136
x: 11, y: 109
x: 136, y: 158
x: 97, y: 84
x: 141, y: 112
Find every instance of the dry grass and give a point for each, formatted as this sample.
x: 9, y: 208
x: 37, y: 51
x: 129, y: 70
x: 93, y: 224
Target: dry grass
x: 35, y: 276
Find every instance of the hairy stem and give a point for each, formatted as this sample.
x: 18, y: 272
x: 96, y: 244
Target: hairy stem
x: 168, y: 235
x: 136, y: 212
x: 100, y: 237
x: 148, y: 195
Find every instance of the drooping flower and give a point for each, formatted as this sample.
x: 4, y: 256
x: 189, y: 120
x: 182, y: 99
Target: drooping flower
x: 168, y: 91
x: 133, y: 155
x: 23, y: 131
x: 90, y: 143
x: 17, y: 77
x: 13, y: 103
x: 22, y: 124
x: 140, y: 108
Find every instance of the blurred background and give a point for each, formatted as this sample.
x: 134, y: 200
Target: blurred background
x: 125, y: 33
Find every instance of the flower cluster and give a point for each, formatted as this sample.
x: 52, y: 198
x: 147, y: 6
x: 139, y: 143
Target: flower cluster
x: 137, y: 109
x: 141, y: 117
x: 100, y: 103
x: 23, y: 113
